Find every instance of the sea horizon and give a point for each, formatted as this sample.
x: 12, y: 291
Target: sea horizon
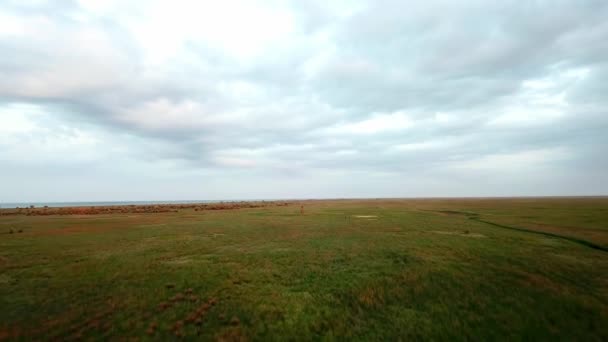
x: 106, y: 203
x: 7, y: 205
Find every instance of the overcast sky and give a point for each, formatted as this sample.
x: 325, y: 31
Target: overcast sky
x: 170, y: 100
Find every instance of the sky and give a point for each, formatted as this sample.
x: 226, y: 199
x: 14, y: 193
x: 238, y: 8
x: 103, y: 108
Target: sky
x: 188, y: 100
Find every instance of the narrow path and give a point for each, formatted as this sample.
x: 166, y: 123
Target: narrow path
x: 475, y: 217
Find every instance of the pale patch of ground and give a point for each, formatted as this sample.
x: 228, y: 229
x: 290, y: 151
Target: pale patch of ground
x: 189, y: 259
x: 472, y: 235
x: 366, y: 216
x: 6, y: 279
x: 178, y: 261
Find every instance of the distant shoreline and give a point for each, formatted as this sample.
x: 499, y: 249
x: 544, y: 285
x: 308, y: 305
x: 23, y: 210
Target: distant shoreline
x: 9, y: 205
x: 101, y: 203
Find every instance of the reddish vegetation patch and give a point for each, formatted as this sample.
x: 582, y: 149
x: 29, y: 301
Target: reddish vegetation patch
x: 75, y: 229
x: 371, y: 297
x: 233, y: 334
x: 595, y: 235
x: 70, y: 325
x: 164, y: 305
x: 194, y: 318
x: 9, y: 333
x: 543, y: 283
x: 100, y: 322
x: 139, y: 209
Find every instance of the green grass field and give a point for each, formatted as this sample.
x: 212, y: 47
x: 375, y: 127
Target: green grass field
x: 496, y: 269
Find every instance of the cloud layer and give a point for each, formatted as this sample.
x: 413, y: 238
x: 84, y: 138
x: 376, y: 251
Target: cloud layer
x: 114, y: 100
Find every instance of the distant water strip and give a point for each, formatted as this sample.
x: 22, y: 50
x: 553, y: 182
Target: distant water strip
x: 105, y: 204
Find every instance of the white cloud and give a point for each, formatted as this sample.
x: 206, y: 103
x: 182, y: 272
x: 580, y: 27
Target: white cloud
x: 11, y: 25
x: 162, y: 114
x: 377, y: 123
x: 240, y: 29
x: 342, y: 97
x: 522, y: 161
x: 28, y: 134
x: 16, y: 119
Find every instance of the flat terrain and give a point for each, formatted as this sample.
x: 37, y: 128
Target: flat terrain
x: 482, y: 269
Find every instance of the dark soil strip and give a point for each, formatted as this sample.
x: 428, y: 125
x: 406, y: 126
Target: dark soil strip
x: 572, y: 239
x: 475, y: 217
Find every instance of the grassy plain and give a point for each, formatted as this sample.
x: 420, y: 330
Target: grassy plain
x: 482, y: 269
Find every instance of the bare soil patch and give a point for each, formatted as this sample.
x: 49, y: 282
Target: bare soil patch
x: 465, y: 234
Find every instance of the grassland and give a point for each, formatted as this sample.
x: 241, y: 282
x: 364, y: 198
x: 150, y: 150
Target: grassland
x: 493, y: 269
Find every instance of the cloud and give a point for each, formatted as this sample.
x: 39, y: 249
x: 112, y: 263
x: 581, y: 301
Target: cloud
x: 303, y: 99
x: 377, y: 123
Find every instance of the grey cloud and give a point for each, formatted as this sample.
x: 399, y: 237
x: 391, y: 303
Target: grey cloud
x: 487, y: 49
x: 453, y: 69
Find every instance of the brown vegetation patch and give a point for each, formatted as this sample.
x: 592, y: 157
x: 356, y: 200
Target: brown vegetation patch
x: 162, y: 306
x: 371, y: 297
x: 232, y: 334
x: 138, y: 209
x: 194, y: 317
x: 9, y: 333
x: 76, y: 229
x: 99, y: 322
x: 178, y: 261
x: 464, y: 233
x: 539, y: 281
x: 594, y: 235
x: 178, y: 297
x: 70, y: 324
